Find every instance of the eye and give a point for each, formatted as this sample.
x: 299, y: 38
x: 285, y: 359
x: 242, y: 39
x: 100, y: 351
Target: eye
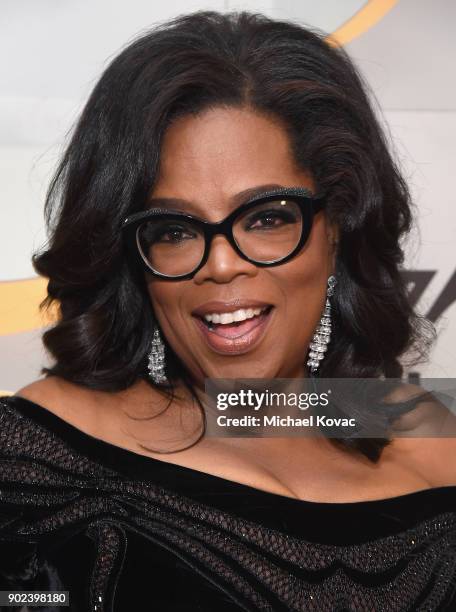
x: 165, y: 233
x: 174, y: 233
x: 269, y: 219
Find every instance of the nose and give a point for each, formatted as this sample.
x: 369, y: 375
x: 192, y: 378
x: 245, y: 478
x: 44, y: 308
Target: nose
x: 224, y: 264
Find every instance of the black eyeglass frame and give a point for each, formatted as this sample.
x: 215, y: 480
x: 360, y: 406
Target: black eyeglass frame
x: 308, y: 203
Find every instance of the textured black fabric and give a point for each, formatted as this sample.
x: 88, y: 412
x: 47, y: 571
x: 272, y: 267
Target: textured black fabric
x: 125, y: 532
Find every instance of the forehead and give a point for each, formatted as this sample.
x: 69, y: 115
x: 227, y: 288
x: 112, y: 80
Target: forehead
x: 209, y: 159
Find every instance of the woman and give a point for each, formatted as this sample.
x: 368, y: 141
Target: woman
x: 110, y: 488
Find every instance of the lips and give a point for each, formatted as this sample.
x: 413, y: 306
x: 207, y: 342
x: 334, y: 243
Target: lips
x: 236, y: 337
x: 216, y: 306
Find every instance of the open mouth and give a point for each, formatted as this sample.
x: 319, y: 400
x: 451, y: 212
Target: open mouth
x: 237, y: 323
x: 234, y: 332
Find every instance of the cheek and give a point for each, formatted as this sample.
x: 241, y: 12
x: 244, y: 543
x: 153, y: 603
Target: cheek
x: 308, y: 272
x: 165, y: 299
x: 303, y: 288
x: 302, y: 283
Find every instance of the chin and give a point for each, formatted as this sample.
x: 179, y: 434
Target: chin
x: 243, y: 370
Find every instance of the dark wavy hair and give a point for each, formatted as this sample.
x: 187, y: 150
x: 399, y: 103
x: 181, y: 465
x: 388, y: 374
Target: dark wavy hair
x: 191, y: 63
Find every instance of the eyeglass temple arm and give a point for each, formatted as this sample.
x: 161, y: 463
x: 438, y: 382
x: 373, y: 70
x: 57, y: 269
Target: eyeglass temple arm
x: 318, y: 203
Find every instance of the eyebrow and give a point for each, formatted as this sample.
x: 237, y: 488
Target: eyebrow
x: 236, y: 200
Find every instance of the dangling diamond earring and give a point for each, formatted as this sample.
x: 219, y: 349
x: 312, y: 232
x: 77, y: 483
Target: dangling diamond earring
x: 156, y: 364
x: 322, y: 334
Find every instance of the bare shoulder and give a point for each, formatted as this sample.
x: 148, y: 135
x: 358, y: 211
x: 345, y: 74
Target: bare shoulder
x: 424, y: 439
x: 431, y: 459
x: 96, y: 412
x: 430, y: 415
x: 67, y: 400
x: 53, y: 393
x: 41, y: 388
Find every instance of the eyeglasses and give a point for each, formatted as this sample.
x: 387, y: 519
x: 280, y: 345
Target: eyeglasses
x: 267, y: 230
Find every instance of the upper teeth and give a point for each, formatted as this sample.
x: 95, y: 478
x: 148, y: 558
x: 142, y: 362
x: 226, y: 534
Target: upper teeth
x: 230, y: 317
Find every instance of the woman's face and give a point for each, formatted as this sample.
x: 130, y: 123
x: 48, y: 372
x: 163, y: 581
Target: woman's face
x: 208, y: 160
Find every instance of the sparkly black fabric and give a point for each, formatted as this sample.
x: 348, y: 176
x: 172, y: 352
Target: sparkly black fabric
x: 125, y: 532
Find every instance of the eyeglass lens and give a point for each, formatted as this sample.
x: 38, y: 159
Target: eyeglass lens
x: 265, y: 233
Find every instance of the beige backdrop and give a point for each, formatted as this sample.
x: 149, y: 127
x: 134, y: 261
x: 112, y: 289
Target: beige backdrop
x: 52, y: 53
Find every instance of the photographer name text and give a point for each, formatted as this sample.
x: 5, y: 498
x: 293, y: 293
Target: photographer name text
x: 284, y: 421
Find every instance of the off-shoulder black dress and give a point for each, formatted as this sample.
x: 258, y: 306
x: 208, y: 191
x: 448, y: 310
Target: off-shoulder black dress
x: 124, y: 532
